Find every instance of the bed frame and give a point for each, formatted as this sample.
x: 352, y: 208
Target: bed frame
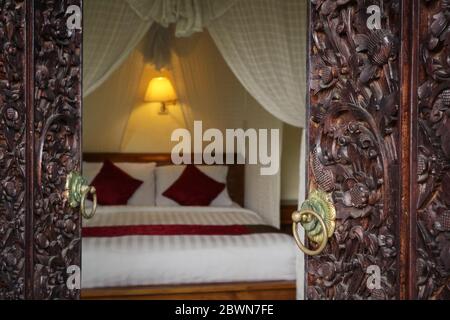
x: 269, y: 290
x: 276, y: 290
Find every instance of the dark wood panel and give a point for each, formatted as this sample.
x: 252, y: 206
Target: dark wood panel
x: 275, y: 290
x: 235, y: 179
x: 406, y: 237
x: 354, y: 105
x: 57, y: 134
x: 432, y: 158
x: 162, y: 159
x: 287, y: 208
x: 13, y: 141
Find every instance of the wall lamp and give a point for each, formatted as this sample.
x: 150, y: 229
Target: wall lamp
x: 160, y: 90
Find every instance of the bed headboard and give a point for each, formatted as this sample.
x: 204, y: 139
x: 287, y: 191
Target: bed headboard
x: 236, y: 172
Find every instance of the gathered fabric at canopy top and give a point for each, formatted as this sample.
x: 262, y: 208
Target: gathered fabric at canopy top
x: 113, y: 28
x: 189, y: 16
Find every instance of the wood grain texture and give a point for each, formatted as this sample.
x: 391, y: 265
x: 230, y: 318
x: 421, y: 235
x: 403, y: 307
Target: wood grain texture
x: 57, y: 136
x: 287, y: 208
x: 432, y: 161
x: 354, y: 94
x: 235, y: 179
x: 12, y: 149
x: 276, y: 290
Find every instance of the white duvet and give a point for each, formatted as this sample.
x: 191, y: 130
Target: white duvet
x: 161, y: 260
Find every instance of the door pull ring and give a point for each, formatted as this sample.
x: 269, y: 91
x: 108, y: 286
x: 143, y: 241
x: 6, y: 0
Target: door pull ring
x: 318, y: 217
x: 77, y: 192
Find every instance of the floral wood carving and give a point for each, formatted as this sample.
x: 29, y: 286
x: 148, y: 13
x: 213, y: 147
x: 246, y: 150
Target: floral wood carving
x: 57, y: 135
x: 12, y: 150
x: 433, y: 153
x: 354, y: 134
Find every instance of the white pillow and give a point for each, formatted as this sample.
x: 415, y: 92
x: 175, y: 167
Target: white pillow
x: 145, y: 194
x: 91, y: 170
x: 167, y: 175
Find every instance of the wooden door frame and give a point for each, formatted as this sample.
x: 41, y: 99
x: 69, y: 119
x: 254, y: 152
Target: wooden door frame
x: 41, y: 136
x: 429, y: 259
x: 57, y: 101
x: 41, y: 142
x: 13, y: 148
x: 345, y: 80
x: 415, y: 223
x: 406, y: 148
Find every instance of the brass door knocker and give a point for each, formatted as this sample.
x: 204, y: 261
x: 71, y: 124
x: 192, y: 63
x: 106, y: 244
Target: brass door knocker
x: 318, y: 217
x: 78, y: 190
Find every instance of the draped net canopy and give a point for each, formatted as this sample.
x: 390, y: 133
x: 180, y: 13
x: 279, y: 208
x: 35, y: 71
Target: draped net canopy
x: 262, y: 41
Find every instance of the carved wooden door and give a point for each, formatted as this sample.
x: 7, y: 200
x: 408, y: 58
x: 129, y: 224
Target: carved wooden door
x: 40, y: 106
x: 379, y: 148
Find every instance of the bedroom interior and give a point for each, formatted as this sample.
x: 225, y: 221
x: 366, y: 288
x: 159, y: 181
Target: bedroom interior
x: 151, y: 76
x: 146, y: 74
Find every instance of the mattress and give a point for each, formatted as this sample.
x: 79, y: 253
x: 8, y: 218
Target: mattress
x: 161, y: 259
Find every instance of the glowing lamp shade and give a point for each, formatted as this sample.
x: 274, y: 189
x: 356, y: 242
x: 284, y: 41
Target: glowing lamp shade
x: 160, y: 90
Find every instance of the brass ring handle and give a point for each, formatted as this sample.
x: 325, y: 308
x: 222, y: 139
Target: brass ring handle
x: 84, y: 194
x: 77, y: 191
x: 318, y: 217
x: 304, y: 216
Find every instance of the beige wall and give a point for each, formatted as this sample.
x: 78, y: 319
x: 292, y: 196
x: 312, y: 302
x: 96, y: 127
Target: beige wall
x: 106, y: 111
x: 290, y: 162
x: 147, y: 130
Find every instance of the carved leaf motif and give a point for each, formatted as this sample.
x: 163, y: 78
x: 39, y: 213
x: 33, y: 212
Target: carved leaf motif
x: 57, y: 129
x: 433, y: 167
x: 323, y: 175
x: 446, y: 191
x: 354, y: 142
x: 12, y: 150
x: 442, y: 132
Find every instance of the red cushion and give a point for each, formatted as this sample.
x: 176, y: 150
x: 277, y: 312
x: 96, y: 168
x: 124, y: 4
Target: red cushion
x: 114, y: 186
x: 194, y: 188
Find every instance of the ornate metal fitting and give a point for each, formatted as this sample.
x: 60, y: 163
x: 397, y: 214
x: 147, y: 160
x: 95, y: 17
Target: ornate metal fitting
x: 318, y: 217
x: 77, y: 190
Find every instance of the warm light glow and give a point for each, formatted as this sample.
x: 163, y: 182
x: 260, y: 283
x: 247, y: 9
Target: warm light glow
x: 160, y: 90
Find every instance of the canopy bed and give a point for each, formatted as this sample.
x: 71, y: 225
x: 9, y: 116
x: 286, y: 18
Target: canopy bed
x: 184, y: 252
x: 240, y: 32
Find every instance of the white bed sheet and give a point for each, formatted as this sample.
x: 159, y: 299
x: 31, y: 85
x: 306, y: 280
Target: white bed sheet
x: 162, y: 260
